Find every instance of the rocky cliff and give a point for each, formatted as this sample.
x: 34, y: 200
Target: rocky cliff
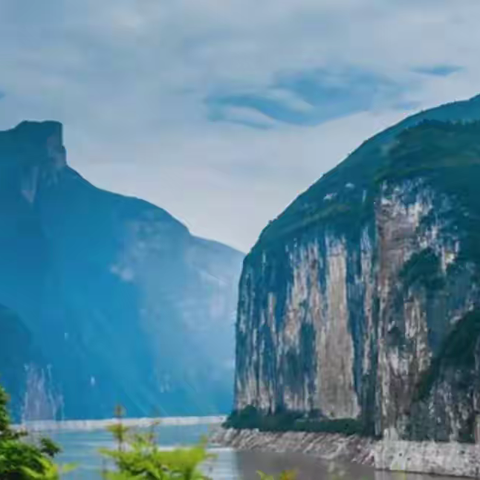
x: 361, y: 301
x: 121, y: 302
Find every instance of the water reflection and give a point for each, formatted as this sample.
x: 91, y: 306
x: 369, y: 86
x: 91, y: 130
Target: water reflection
x: 248, y: 463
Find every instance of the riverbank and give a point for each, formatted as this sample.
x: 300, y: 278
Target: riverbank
x: 92, y: 425
x: 447, y: 459
x: 326, y: 446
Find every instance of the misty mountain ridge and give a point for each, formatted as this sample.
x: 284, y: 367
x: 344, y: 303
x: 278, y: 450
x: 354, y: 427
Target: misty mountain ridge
x: 122, y: 305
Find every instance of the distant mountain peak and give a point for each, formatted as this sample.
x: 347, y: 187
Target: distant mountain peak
x: 35, y: 143
x: 33, y: 153
x: 43, y: 128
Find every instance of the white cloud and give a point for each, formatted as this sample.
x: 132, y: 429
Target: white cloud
x: 129, y: 79
x: 247, y: 116
x: 289, y: 99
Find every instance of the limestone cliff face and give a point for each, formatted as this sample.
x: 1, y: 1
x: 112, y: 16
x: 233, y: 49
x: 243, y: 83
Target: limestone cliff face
x: 361, y: 300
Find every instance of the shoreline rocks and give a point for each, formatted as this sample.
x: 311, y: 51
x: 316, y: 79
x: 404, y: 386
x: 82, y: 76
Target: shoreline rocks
x: 325, y: 446
x: 447, y: 459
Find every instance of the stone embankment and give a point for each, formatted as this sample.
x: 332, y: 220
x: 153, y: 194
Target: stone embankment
x: 325, y: 446
x: 447, y: 459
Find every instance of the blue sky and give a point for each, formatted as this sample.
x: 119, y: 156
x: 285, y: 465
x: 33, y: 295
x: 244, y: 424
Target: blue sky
x: 223, y: 111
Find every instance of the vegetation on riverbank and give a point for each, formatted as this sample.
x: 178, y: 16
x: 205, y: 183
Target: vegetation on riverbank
x: 251, y: 418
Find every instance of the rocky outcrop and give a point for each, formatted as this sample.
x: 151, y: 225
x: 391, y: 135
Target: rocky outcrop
x: 125, y: 305
x: 361, y: 300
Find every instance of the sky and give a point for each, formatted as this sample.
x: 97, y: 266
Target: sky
x: 223, y: 111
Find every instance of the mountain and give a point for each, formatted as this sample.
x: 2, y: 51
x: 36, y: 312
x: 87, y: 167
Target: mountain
x: 117, y: 301
x: 360, y: 302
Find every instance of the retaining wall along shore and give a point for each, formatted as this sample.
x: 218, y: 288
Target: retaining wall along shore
x: 448, y: 459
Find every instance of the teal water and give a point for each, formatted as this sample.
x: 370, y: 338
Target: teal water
x: 82, y: 448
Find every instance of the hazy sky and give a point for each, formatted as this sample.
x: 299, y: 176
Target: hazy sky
x: 223, y: 111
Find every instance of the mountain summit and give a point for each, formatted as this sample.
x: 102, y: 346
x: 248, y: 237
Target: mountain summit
x: 110, y: 299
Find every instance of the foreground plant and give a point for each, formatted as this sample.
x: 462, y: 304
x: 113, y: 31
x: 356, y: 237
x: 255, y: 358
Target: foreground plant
x: 50, y: 471
x: 139, y: 457
x: 20, y: 460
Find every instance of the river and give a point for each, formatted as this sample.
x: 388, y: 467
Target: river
x: 82, y: 448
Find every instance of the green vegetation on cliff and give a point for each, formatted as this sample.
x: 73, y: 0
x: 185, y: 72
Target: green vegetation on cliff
x: 422, y: 268
x: 457, y: 353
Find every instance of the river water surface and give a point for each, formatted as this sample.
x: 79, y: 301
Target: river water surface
x: 82, y: 448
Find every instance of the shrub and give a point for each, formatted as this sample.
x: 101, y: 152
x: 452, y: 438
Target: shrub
x: 138, y: 457
x: 285, y: 421
x: 20, y: 460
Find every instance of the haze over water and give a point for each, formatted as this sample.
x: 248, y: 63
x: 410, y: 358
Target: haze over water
x: 82, y: 447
